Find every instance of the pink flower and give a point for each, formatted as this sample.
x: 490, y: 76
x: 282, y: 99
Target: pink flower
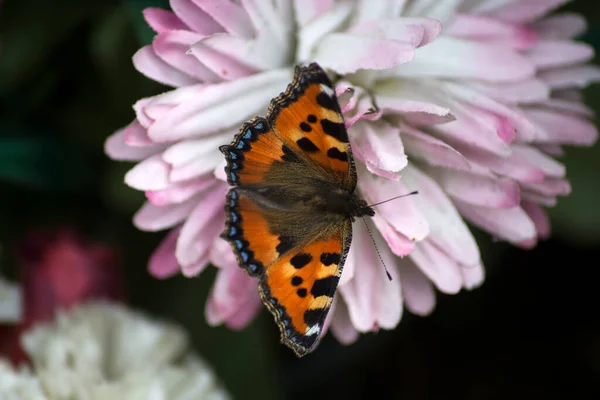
x: 467, y: 103
x: 59, y: 269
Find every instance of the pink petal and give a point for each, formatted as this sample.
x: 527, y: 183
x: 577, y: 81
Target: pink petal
x: 307, y: 10
x: 532, y: 197
x: 440, y: 268
x: 473, y: 276
x: 155, y: 218
x: 371, y: 298
x: 418, y: 293
x: 150, y: 174
x: 492, y: 30
x: 191, y: 150
x: 578, y: 76
x: 378, y: 145
x: 360, y: 52
x: 246, y: 314
x: 399, y: 244
x: 163, y: 263
x: 448, y: 57
x: 515, y: 166
x: 116, y: 148
x: 136, y: 135
x: 194, y: 17
x: 561, y: 128
x: 407, y: 219
x: 550, y: 187
x: 511, y: 224
x: 172, y: 47
x: 561, y: 26
x: 559, y: 53
x: 221, y: 254
x: 364, y: 109
x: 140, y: 112
x: 180, y: 192
x: 431, y: 150
x: 447, y: 229
x: 370, y: 10
x: 232, y: 291
x: 229, y: 15
x: 311, y: 34
x: 539, y: 218
x: 414, y: 113
x: 223, y: 65
x: 341, y: 324
x: 195, y: 268
x: 525, y: 91
x: 202, y: 227
x: 477, y: 189
x: 207, y: 163
x: 162, y: 20
x: 220, y: 106
x: 415, y: 31
x: 148, y: 63
x: 524, y: 11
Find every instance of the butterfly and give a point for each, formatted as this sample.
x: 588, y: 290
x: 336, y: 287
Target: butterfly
x: 292, y: 204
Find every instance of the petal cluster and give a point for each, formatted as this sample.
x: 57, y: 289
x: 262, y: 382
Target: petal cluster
x: 468, y: 102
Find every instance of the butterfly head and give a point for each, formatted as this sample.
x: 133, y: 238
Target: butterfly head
x: 359, y: 208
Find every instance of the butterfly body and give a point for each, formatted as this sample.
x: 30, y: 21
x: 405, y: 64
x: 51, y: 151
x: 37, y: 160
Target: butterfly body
x: 293, y: 201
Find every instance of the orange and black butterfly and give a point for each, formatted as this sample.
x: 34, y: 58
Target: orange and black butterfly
x: 290, y: 212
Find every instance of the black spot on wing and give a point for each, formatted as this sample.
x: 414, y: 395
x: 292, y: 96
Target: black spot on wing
x: 313, y: 317
x: 311, y: 118
x: 326, y: 101
x: 286, y: 243
x: 307, y: 145
x: 297, y: 281
x: 330, y: 258
x: 301, y: 292
x: 338, y: 155
x: 305, y: 127
x: 334, y: 129
x: 324, y: 287
x: 300, y: 260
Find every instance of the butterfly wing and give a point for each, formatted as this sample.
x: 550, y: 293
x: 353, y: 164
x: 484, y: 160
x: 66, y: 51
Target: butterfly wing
x: 280, y: 167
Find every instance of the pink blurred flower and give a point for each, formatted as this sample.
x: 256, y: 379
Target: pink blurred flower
x: 59, y: 269
x: 478, y: 95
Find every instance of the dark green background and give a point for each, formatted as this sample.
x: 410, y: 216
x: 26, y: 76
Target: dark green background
x: 67, y: 82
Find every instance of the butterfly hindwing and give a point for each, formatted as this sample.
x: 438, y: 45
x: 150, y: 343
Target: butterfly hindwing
x: 299, y: 287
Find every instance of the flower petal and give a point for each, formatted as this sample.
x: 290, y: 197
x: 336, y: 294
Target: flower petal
x: 407, y: 219
x: 372, y: 300
x: 559, y: 53
x: 539, y: 218
x: 225, y: 66
x: 522, y: 11
x: 431, y: 150
x: 181, y: 191
x: 150, y: 174
x: 560, y: 26
x: 419, y: 296
x: 202, y: 226
x: 229, y: 15
x: 561, y: 128
x: 477, y: 189
x: 473, y: 276
x: 341, y: 324
x: 155, y: 218
x: 378, y: 145
x: 492, y: 30
x: 162, y: 20
x: 116, y: 148
x: 398, y: 243
x: 446, y: 228
x: 219, y: 106
x: 172, y: 47
x: 150, y: 64
x: 438, y: 266
x: 163, y: 263
x: 578, y: 76
x: 194, y: 17
x: 448, y: 57
x: 511, y: 224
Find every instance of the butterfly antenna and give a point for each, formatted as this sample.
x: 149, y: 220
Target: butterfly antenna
x: 377, y: 250
x: 394, y: 198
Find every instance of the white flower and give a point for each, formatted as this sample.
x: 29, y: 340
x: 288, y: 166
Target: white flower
x: 102, y: 351
x: 10, y: 302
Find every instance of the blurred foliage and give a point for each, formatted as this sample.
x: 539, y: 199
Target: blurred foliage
x: 67, y: 82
